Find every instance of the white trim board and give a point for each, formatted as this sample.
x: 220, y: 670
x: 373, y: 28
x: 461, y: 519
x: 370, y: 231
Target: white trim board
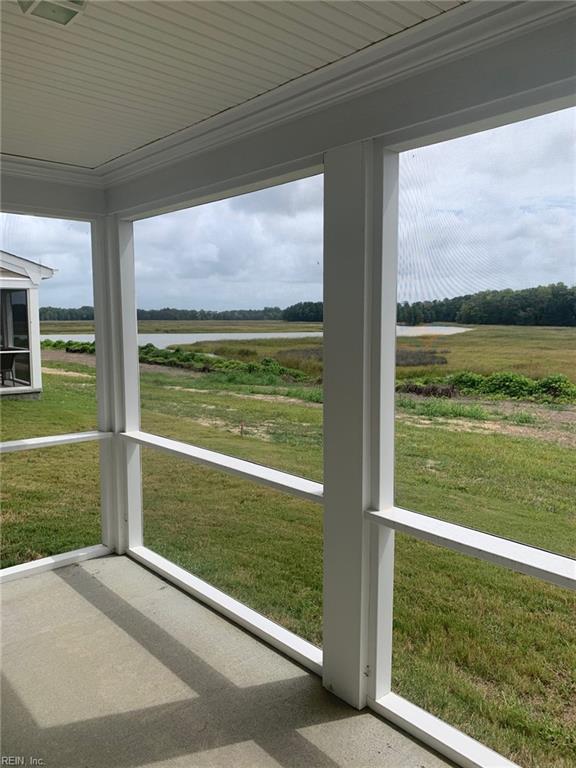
x: 50, y: 441
x: 23, y: 390
x: 257, y: 473
x: 547, y: 566
x: 51, y: 563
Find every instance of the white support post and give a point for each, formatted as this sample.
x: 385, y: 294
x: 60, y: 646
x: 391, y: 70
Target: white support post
x: 104, y: 378
x: 382, y: 405
x: 117, y: 380
x: 358, y: 408
x: 34, y: 339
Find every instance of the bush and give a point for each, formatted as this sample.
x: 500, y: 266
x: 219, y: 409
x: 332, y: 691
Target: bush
x: 556, y: 387
x: 466, y: 381
x: 512, y: 385
x: 426, y: 390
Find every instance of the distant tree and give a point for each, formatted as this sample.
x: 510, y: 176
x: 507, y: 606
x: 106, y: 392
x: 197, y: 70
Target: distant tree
x: 545, y: 305
x: 305, y: 311
x: 58, y: 313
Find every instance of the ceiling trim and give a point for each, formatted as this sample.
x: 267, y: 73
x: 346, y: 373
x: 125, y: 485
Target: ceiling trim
x: 44, y: 170
x: 470, y: 27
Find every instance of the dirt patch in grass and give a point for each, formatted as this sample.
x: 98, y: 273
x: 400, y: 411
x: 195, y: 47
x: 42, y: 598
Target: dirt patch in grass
x: 261, y: 432
x: 564, y: 415
x: 276, y: 399
x: 61, y: 356
x: 214, y: 423
x: 548, y: 434
x: 61, y: 372
x: 246, y: 396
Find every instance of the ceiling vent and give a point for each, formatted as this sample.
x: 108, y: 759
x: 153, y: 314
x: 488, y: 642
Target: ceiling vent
x: 57, y: 11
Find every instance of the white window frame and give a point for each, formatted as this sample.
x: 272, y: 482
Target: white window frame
x: 18, y: 284
x: 360, y: 520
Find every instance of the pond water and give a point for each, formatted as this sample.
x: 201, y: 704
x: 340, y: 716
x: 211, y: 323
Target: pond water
x: 163, y: 340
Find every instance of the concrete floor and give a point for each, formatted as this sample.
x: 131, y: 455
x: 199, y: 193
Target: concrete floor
x: 104, y: 665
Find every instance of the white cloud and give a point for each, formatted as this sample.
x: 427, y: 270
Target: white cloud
x: 57, y: 243
x: 492, y: 210
x: 264, y: 248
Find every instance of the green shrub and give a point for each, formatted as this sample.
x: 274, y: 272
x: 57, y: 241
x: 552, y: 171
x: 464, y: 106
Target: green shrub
x: 556, y: 387
x: 512, y: 385
x: 466, y: 381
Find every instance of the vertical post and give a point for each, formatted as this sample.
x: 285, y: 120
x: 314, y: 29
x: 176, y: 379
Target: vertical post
x: 117, y: 379
x: 35, y: 355
x: 358, y: 409
x: 350, y: 188
x: 383, y: 383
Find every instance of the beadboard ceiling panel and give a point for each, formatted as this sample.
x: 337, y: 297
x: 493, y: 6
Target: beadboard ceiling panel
x: 126, y: 74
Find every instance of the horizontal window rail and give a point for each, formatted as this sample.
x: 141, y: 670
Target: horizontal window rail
x: 447, y: 740
x: 54, y: 561
x: 274, y: 478
x: 10, y: 446
x: 548, y: 566
x: 310, y: 656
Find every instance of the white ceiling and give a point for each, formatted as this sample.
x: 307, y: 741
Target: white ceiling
x: 125, y: 74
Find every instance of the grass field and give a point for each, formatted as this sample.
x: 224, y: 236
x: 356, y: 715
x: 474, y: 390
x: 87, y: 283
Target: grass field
x: 186, y: 326
x: 490, y: 651
x: 535, y: 352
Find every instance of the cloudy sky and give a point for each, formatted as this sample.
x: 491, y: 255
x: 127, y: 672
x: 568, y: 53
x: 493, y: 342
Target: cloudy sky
x: 492, y: 210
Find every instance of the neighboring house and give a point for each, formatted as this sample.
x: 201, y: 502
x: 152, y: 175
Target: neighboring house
x: 20, y: 324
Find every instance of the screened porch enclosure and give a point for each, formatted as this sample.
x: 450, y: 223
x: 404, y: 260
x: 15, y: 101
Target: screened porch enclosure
x: 19, y: 323
x: 15, y: 343
x: 223, y: 683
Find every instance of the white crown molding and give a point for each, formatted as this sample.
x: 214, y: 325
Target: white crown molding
x: 43, y: 170
x: 471, y: 27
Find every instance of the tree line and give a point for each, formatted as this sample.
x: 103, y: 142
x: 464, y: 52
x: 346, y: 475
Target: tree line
x: 553, y: 304
x: 167, y: 313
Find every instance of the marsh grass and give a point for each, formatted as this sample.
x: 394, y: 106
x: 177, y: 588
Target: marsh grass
x: 531, y: 351
x: 186, y: 326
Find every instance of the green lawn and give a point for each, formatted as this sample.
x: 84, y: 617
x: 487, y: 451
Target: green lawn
x: 490, y: 651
